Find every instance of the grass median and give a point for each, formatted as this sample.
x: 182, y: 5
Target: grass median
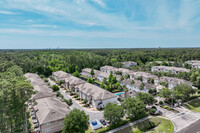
x: 165, y: 126
x: 194, y: 105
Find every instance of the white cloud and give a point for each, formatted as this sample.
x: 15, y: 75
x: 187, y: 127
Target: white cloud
x: 7, y: 12
x: 43, y: 26
x: 100, y: 3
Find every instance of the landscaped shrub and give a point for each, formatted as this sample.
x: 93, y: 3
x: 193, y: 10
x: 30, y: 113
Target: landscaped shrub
x: 61, y: 96
x: 81, y: 99
x: 60, y: 82
x: 78, y: 98
x: 45, y: 80
x: 161, y: 102
x: 163, y: 83
x: 191, y: 98
x: 51, y: 77
x: 152, y: 111
x: 153, y: 107
x: 58, y: 93
x: 42, y: 76
x: 55, y: 88
x: 85, y: 101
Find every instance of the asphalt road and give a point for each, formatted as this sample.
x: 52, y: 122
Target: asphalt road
x: 181, y: 120
x: 193, y: 128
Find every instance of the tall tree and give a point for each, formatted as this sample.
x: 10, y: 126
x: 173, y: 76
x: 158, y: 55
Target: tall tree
x: 113, y: 113
x: 134, y: 107
x: 92, y: 72
x: 76, y: 122
x: 146, y: 98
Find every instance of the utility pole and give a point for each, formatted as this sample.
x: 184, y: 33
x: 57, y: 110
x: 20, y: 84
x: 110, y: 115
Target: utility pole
x: 26, y: 122
x: 172, y: 96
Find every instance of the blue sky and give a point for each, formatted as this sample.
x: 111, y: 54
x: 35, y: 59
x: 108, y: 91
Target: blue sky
x: 99, y: 23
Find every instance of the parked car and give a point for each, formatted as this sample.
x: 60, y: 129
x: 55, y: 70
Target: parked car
x: 34, y: 121
x: 103, y: 122
x: 32, y: 113
x: 95, y: 124
x: 33, y: 116
x: 35, y: 125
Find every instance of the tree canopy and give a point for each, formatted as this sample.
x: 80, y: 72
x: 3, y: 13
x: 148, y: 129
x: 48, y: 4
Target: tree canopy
x: 76, y: 122
x: 14, y: 92
x: 134, y: 107
x: 113, y: 113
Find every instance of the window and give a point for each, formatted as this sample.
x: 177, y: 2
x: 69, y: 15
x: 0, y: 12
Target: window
x: 47, y: 130
x: 46, y: 124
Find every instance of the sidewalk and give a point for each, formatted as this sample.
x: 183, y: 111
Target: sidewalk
x: 129, y: 124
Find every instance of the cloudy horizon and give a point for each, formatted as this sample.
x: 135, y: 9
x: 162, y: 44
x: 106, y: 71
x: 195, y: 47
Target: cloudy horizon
x: 27, y: 24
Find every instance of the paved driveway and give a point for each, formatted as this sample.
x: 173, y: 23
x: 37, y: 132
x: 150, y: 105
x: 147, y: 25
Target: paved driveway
x: 92, y: 115
x: 181, y: 120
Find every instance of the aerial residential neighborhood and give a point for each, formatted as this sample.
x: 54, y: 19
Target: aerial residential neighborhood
x: 99, y: 66
x: 48, y: 107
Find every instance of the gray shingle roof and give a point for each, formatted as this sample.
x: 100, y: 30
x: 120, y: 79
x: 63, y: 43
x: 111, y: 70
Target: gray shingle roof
x: 143, y: 74
x: 50, y: 109
x: 61, y: 74
x: 35, y: 79
x: 74, y: 80
x: 172, y: 68
x: 88, y: 70
x: 175, y: 80
x: 43, y: 94
x: 97, y: 93
x: 38, y: 83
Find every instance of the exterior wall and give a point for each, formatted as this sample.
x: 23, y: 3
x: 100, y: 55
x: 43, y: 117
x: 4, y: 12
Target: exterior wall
x: 86, y: 74
x: 153, y: 69
x: 95, y: 103
x: 100, y: 78
x: 55, y: 77
x: 52, y: 127
x: 130, y: 64
x: 171, y: 86
x: 66, y: 85
x: 131, y: 87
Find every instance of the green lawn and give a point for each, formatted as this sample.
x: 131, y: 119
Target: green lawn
x: 165, y: 126
x: 194, y: 105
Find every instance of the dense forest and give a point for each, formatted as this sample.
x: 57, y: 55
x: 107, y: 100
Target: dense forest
x: 44, y: 62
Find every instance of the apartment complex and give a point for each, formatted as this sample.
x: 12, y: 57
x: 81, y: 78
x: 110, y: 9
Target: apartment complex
x: 99, y: 75
x: 95, y: 95
x: 47, y: 110
x: 172, y: 82
x: 60, y: 75
x: 129, y: 63
x: 86, y: 72
x: 146, y: 77
x: 174, y: 70
x: 194, y: 63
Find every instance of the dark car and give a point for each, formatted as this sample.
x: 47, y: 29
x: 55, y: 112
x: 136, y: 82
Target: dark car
x: 103, y: 122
